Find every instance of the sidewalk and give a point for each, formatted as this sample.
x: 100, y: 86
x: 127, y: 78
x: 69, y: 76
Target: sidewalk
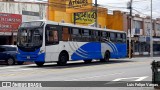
x: 156, y: 58
x: 145, y: 56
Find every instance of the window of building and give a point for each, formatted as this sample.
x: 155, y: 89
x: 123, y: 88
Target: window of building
x: 158, y: 27
x: 138, y: 24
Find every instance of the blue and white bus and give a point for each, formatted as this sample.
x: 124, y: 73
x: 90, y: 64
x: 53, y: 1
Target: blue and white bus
x: 47, y: 41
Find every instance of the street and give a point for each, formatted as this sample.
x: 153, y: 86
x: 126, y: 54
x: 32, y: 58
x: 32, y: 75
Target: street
x: 135, y: 69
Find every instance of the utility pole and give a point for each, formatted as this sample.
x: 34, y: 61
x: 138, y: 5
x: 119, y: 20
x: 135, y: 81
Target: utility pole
x: 151, y: 33
x: 130, y: 29
x: 96, y: 13
x: 74, y: 15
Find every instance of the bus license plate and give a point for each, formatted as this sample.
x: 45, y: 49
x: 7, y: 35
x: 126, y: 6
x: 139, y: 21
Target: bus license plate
x: 28, y: 57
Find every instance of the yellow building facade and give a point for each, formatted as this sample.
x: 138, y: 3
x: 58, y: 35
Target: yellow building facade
x: 116, y: 21
x: 83, y: 13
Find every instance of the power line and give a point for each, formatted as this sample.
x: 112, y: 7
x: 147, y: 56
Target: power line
x: 140, y: 12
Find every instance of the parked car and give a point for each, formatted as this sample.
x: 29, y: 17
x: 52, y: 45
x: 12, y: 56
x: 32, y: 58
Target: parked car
x: 8, y: 54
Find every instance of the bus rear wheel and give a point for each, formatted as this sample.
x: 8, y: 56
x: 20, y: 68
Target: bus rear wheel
x: 39, y: 64
x: 63, y: 58
x: 87, y: 61
x: 106, y: 57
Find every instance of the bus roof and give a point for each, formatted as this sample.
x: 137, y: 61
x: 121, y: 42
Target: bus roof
x: 88, y: 27
x: 78, y: 26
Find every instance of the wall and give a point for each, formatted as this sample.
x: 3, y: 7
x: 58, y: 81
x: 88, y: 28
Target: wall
x: 157, y: 27
x: 115, y: 21
x: 147, y: 26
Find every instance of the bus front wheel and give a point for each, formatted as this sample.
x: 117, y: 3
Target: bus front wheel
x: 39, y: 64
x: 63, y: 58
x: 106, y: 57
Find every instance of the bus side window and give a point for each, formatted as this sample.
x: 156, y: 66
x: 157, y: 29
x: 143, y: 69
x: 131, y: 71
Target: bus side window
x: 119, y: 38
x: 113, y: 37
x: 124, y: 38
x: 65, y: 34
x: 51, y: 35
x: 76, y: 35
x: 104, y: 36
x: 96, y: 36
x: 86, y: 35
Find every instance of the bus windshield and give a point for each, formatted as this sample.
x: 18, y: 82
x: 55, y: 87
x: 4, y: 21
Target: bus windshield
x: 30, y: 36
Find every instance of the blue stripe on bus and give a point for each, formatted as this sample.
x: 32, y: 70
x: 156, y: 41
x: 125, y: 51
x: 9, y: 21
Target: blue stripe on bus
x: 93, y: 51
x: 34, y: 56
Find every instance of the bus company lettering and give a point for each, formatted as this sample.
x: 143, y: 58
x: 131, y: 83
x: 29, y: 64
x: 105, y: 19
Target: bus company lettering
x: 77, y: 3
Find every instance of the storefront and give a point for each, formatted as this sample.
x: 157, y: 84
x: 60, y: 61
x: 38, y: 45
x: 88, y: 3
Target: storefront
x: 156, y: 45
x: 141, y: 46
x: 9, y: 24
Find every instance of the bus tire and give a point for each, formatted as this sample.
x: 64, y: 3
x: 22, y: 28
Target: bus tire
x: 106, y: 57
x: 39, y: 64
x: 63, y: 58
x: 20, y: 62
x: 87, y: 61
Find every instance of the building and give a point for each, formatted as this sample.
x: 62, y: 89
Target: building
x: 140, y: 35
x: 156, y: 36
x: 13, y: 13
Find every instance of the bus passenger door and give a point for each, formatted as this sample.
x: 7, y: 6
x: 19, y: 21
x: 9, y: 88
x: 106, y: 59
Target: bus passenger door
x: 51, y: 43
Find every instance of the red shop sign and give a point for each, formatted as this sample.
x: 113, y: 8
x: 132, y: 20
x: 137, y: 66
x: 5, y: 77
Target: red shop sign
x: 9, y: 22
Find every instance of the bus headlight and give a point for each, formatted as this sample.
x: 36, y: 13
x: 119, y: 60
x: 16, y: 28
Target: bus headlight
x: 41, y: 51
x: 17, y: 52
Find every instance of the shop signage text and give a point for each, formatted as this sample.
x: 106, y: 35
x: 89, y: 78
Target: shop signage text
x: 84, y: 17
x: 77, y: 3
x: 9, y: 22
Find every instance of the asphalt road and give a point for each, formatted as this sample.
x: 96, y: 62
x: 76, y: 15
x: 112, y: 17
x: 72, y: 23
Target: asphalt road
x: 135, y: 69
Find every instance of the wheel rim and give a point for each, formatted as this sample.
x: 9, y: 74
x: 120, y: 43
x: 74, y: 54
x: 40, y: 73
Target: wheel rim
x: 10, y: 61
x: 63, y: 58
x: 106, y: 57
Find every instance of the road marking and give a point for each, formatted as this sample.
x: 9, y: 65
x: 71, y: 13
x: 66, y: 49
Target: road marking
x: 97, y: 76
x: 13, y: 67
x: 136, y: 78
x: 27, y: 69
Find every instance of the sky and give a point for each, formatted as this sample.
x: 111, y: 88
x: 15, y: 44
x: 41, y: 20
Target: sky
x: 142, y: 7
